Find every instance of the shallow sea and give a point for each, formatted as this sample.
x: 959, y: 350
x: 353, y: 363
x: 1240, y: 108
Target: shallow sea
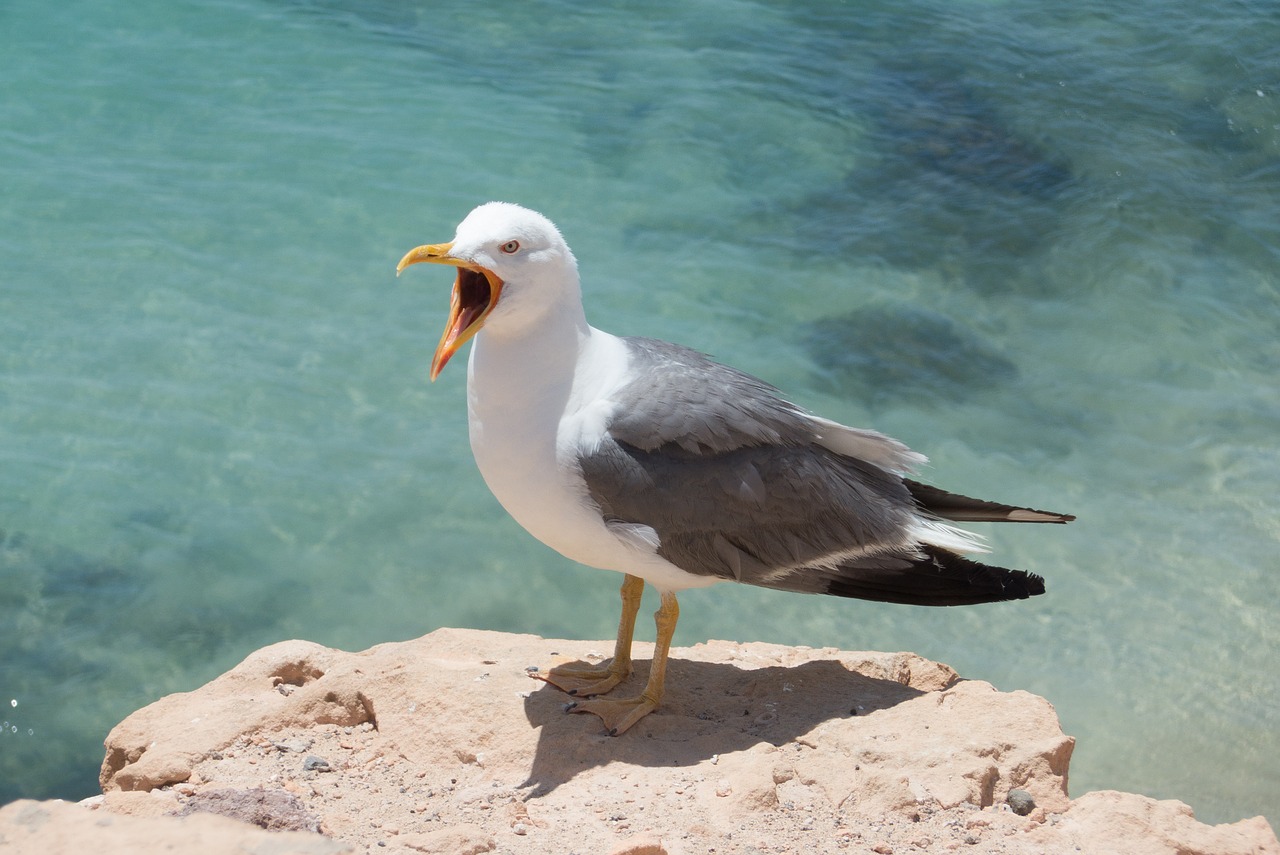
x: 1038, y: 242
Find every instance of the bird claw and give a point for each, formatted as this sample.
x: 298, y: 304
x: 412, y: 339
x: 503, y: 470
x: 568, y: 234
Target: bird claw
x: 585, y: 681
x: 618, y: 714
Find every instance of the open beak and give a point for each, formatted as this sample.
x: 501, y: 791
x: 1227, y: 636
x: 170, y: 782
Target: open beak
x: 475, y: 293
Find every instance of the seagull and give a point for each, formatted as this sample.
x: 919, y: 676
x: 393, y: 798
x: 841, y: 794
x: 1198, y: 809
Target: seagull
x: 650, y: 459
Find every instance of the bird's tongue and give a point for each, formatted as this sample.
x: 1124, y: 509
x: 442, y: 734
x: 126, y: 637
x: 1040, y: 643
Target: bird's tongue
x: 472, y: 297
x: 474, y: 294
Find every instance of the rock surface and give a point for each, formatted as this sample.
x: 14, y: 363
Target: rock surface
x: 444, y: 745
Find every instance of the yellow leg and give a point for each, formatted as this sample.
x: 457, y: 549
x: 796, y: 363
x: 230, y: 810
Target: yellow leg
x: 586, y: 680
x: 618, y: 714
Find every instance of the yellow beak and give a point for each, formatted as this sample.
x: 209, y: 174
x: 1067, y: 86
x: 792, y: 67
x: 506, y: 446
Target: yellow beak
x: 475, y: 293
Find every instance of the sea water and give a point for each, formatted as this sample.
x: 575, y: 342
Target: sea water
x: 1038, y: 242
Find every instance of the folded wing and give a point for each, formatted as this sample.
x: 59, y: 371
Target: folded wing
x: 739, y: 484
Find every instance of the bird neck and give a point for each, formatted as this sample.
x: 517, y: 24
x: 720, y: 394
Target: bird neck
x: 532, y: 364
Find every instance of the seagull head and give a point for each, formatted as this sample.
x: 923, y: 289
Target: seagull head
x: 513, y: 266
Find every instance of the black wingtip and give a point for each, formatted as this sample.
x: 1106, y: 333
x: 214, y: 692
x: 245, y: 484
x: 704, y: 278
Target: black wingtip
x: 986, y: 583
x: 939, y: 578
x: 958, y: 508
x: 1034, y: 584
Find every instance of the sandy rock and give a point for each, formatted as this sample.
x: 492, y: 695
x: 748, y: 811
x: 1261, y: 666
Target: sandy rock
x: 137, y: 803
x: 449, y: 841
x: 272, y: 809
x: 640, y: 845
x: 1137, y: 825
x: 278, y: 686
x: 443, y: 744
x: 63, y: 828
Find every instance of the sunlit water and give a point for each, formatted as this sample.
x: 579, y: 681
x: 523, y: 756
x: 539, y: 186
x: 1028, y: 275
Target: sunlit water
x: 1036, y: 241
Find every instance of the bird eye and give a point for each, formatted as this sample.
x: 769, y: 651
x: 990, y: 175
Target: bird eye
x: 510, y: 247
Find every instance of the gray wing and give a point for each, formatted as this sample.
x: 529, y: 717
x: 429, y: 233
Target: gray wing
x: 681, y: 397
x: 736, y: 485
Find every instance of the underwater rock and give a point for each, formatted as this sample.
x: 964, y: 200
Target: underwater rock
x: 945, y: 182
x: 941, y: 125
x: 900, y: 352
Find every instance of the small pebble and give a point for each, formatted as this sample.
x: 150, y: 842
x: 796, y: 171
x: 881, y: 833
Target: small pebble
x: 316, y: 764
x: 297, y: 745
x: 1021, y: 802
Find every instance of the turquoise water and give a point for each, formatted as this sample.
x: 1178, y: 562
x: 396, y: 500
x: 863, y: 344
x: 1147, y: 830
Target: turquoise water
x: 216, y: 429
